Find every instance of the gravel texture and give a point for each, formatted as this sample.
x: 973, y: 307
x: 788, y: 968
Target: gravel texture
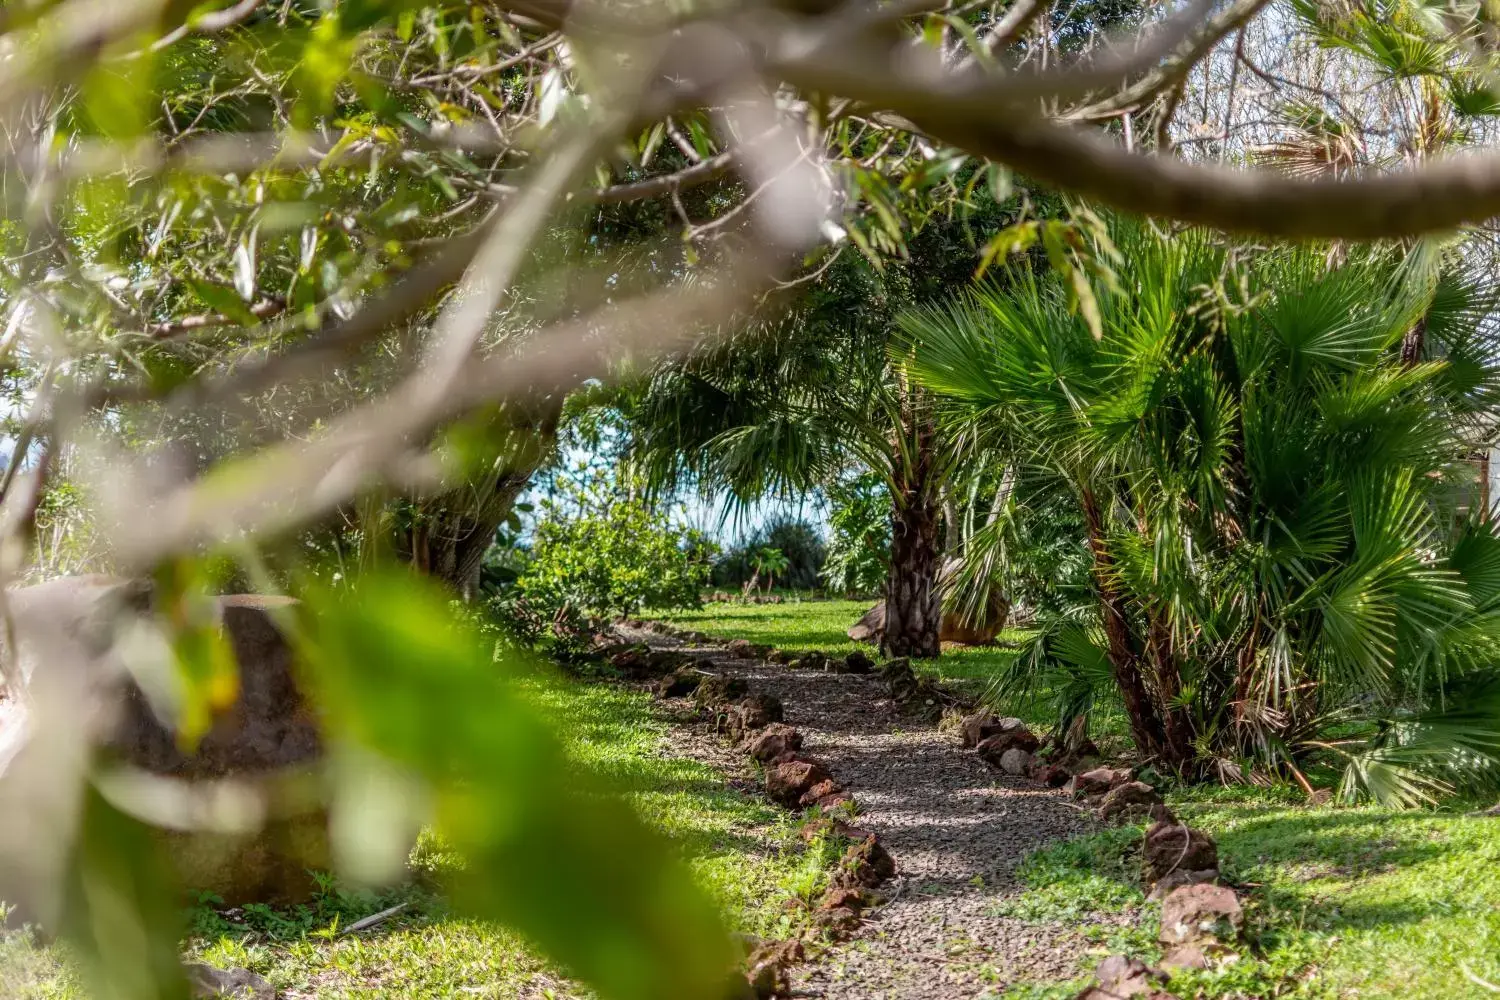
x: 956, y: 827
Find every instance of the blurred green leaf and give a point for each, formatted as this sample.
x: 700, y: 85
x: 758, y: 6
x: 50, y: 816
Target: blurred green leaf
x: 548, y: 851
x: 222, y: 299
x: 121, y: 913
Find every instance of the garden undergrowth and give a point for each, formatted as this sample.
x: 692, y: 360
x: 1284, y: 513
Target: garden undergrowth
x: 742, y: 850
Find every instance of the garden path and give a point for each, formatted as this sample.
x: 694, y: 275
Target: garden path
x: 956, y: 827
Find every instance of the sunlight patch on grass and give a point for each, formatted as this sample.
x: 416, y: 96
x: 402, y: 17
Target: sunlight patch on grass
x: 1363, y: 903
x: 742, y: 850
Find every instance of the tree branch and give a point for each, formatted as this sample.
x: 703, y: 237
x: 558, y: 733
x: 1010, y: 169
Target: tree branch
x: 1442, y: 195
x: 1179, y: 62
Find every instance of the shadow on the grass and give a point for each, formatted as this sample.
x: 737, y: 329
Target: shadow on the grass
x: 1300, y: 862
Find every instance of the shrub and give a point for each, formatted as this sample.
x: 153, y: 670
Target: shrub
x: 860, y: 540
x: 602, y: 552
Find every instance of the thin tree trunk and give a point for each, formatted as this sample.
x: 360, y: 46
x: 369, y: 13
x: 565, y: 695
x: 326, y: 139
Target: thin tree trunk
x: 1124, y: 647
x: 450, y: 533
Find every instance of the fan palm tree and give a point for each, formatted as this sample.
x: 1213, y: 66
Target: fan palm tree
x: 770, y: 561
x: 1273, y: 500
x: 810, y: 397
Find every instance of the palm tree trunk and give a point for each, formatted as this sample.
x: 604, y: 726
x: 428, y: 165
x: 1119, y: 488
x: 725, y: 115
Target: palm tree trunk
x: 1413, y: 343
x: 1124, y: 647
x: 913, y: 604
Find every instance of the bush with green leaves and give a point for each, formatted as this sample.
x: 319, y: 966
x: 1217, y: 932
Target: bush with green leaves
x: 859, y: 543
x: 600, y: 550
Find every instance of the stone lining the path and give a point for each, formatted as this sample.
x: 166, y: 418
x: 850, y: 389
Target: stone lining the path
x: 897, y: 954
x: 956, y: 827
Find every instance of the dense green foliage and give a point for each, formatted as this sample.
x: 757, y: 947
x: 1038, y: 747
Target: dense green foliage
x: 1280, y: 506
x: 795, y: 538
x: 601, y: 551
x: 859, y: 521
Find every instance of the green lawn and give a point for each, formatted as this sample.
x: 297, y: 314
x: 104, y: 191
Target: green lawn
x: 823, y: 625
x: 805, y: 625
x: 743, y: 851
x: 1343, y: 903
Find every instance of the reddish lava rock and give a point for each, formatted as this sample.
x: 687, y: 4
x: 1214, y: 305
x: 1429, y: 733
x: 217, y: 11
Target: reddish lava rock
x: 683, y: 682
x: 844, y: 897
x: 1013, y: 735
x: 977, y: 728
x: 1119, y: 977
x: 716, y: 690
x: 858, y: 663
x: 744, y: 649
x: 1051, y: 775
x: 822, y: 790
x: 788, y: 780
x: 834, y: 800
x: 756, y: 711
x: 1177, y: 880
x: 1129, y: 802
x: 868, y: 863
x: 1203, y: 915
x: 776, y: 740
x: 767, y: 966
x: 1176, y: 847
x: 1099, y: 781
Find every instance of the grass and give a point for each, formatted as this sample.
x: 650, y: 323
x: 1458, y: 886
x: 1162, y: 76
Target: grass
x: 742, y: 850
x: 798, y: 626
x: 1342, y: 903
x: 823, y: 625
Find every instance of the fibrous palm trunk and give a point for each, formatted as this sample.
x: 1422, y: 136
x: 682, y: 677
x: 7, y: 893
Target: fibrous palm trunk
x: 913, y: 603
x: 1124, y: 646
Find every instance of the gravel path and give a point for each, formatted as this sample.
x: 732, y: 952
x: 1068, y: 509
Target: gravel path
x: 956, y: 827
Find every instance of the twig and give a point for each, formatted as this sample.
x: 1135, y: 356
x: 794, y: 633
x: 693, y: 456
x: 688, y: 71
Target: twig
x: 365, y: 923
x: 1486, y: 984
x: 1439, y: 196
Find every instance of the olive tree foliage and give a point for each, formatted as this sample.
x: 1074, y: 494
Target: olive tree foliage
x: 265, y: 262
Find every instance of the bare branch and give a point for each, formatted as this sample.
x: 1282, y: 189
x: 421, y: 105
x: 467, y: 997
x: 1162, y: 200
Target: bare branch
x: 1179, y: 62
x: 209, y: 23
x: 294, y: 483
x: 263, y: 309
x: 1446, y: 194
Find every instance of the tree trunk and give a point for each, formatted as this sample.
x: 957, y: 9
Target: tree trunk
x: 913, y: 606
x: 450, y: 533
x: 1413, y: 343
x: 1124, y: 647
x: 913, y: 603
